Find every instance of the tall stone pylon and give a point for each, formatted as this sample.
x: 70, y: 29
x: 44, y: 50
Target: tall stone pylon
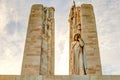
x: 38, y: 56
x: 83, y: 18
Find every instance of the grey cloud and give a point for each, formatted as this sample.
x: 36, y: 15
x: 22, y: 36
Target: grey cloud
x: 108, y: 68
x: 13, y: 27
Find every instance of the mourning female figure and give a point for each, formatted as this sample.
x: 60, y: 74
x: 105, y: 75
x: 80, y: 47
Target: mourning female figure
x: 77, y: 52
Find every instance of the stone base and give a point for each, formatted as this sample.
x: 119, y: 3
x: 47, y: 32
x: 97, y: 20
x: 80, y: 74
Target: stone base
x: 59, y: 77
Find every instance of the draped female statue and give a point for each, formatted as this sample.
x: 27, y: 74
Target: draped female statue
x: 78, y: 58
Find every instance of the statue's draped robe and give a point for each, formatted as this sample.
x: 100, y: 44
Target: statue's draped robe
x: 77, y: 57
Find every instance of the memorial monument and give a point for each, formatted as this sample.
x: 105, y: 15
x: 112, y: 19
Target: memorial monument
x: 84, y: 59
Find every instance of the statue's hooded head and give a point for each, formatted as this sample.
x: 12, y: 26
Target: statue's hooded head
x: 76, y: 37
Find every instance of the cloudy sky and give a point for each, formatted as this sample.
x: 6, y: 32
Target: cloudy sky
x: 14, y: 16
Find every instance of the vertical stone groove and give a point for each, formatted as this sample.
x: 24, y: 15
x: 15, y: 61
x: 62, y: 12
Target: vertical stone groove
x: 38, y: 55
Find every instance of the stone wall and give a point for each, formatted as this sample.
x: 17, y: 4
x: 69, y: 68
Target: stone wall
x: 89, y: 35
x: 38, y: 56
x: 33, y: 77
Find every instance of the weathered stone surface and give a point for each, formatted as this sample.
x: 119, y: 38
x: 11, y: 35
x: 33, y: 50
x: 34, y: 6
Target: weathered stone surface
x: 84, y: 15
x: 75, y: 77
x: 74, y: 20
x: 89, y: 34
x: 38, y: 56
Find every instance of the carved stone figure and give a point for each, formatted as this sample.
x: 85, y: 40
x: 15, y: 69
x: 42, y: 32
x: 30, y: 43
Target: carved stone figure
x: 77, y: 46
